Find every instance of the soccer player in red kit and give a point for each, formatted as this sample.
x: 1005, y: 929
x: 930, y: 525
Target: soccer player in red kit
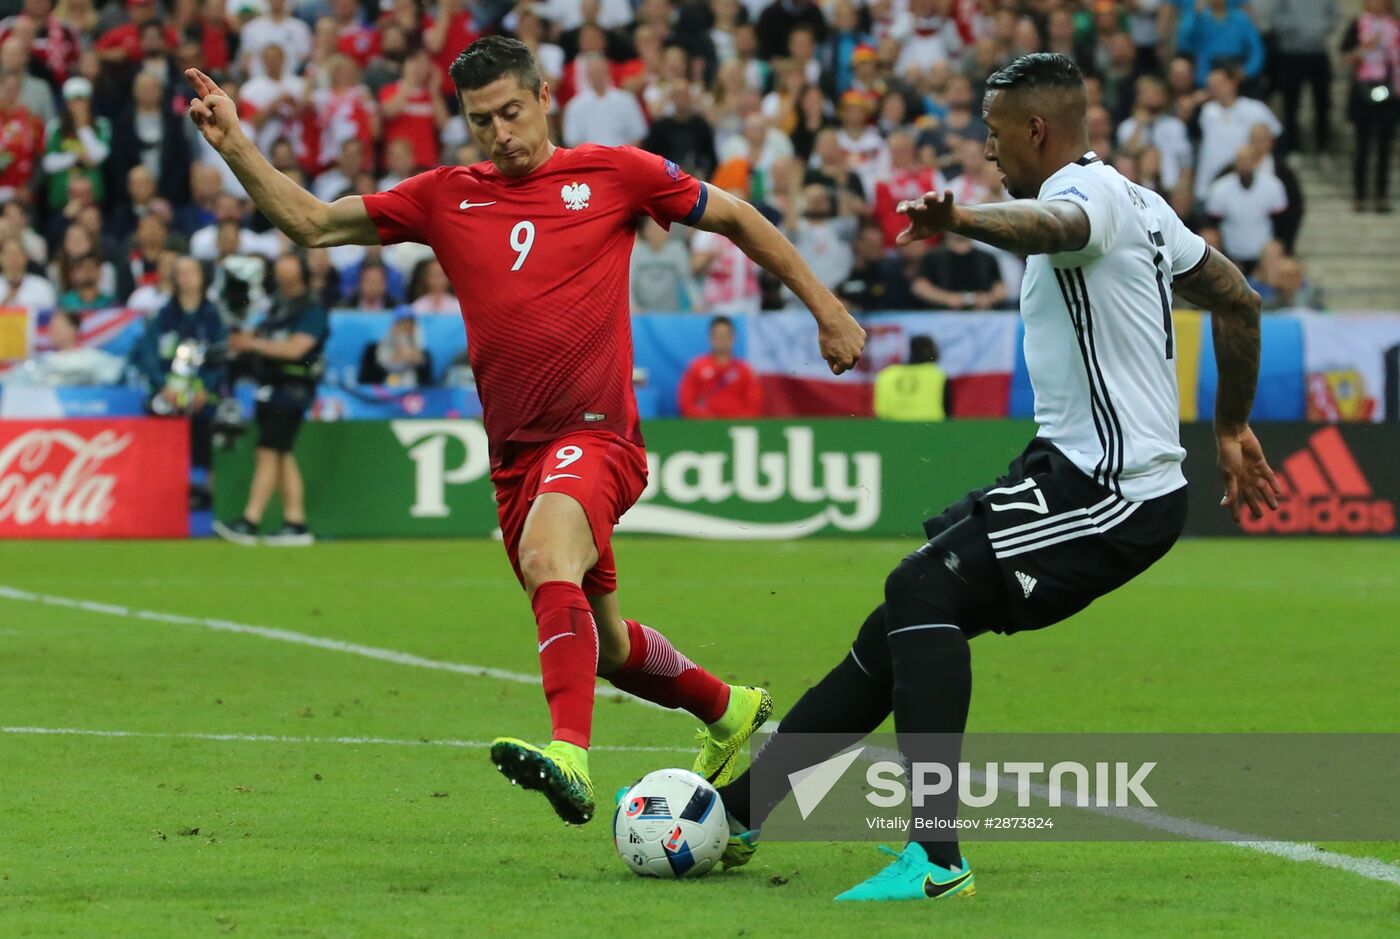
x: 537, y: 242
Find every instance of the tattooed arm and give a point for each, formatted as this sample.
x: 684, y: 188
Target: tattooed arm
x: 1025, y: 226
x: 1218, y: 286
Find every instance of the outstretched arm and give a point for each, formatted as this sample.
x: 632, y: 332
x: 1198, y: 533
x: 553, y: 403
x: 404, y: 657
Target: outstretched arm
x: 1218, y: 286
x: 302, y: 217
x: 842, y: 339
x: 1025, y: 226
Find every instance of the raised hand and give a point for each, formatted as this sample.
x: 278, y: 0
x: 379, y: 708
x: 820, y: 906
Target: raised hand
x: 928, y: 215
x: 1248, y: 479
x: 212, y: 111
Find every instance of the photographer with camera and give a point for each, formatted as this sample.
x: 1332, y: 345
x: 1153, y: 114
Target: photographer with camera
x: 286, y: 354
x: 182, y: 358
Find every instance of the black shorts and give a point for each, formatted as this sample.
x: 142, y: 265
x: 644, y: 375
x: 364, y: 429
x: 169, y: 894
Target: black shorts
x: 279, y: 414
x: 1058, y: 540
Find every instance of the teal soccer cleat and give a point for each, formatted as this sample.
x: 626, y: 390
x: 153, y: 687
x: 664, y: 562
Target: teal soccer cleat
x: 913, y: 876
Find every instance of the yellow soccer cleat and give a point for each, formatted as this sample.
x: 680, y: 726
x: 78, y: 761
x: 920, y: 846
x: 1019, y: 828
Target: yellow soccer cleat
x: 560, y: 771
x: 720, y: 743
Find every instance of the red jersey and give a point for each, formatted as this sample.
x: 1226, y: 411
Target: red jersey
x: 21, y: 143
x: 902, y: 185
x: 709, y: 389
x: 540, y: 263
x: 414, y: 123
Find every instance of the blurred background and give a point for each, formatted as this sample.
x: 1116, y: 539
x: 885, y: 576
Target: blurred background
x: 129, y: 254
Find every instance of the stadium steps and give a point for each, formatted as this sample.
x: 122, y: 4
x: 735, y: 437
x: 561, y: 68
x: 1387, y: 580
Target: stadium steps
x: 1352, y: 256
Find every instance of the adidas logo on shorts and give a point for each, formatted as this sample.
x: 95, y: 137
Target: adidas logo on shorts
x: 1027, y: 582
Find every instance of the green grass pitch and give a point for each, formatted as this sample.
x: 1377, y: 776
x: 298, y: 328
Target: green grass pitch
x: 168, y: 833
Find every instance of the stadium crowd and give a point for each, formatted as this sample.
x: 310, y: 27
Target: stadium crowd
x: 824, y: 116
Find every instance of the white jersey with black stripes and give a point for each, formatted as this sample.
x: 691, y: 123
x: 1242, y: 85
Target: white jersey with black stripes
x: 1100, y: 344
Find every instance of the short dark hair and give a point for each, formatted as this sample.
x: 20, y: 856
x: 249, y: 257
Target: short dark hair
x: 922, y: 349
x: 74, y: 318
x: 1036, y: 71
x: 494, y: 57
x: 721, y: 321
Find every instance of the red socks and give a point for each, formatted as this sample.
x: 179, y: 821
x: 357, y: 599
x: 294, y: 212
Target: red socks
x: 568, y: 658
x: 656, y: 671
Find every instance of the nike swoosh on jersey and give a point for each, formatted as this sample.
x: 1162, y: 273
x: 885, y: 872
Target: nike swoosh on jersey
x: 559, y: 476
x: 468, y: 204
x: 932, y: 889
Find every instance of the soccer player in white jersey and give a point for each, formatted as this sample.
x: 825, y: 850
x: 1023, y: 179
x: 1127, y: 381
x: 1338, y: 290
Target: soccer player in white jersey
x: 1096, y: 497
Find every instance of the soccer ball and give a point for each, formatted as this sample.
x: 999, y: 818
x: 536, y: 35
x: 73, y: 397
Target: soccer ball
x: 670, y: 824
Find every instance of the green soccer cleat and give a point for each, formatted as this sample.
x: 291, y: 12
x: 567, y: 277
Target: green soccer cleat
x: 557, y: 771
x: 740, y: 848
x: 720, y: 743
x: 913, y: 876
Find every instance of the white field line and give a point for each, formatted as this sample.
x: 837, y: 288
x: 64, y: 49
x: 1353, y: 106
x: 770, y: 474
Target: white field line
x: 278, y: 738
x: 301, y: 639
x: 1370, y: 868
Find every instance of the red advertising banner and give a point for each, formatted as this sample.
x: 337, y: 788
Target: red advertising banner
x: 92, y: 478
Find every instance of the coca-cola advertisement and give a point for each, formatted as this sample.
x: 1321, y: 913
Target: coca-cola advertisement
x: 94, y: 479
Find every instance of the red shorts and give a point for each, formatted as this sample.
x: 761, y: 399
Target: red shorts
x: 600, y: 471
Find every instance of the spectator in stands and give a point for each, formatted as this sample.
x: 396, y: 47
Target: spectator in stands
x: 821, y: 235
x: 1243, y: 203
x: 275, y: 100
x: 430, y: 292
x: 718, y: 385
x: 414, y: 110
x: 153, y: 294
x: 324, y: 282
x: 399, y: 359
x: 1226, y: 120
x: 205, y: 184
x: 190, y: 317
x: 19, y: 287
x: 1289, y: 222
x: 1372, y: 48
x: 746, y: 162
x: 1152, y: 125
x: 906, y: 179
x: 340, y: 178
x: 928, y: 36
x: 228, y: 211
x: 866, y: 153
x: 780, y: 18
x: 139, y: 200
x: 34, y: 93
x: 1301, y: 32
x: 602, y: 113
x: 21, y: 140
x: 287, y: 350
x: 55, y: 43
x: 1288, y: 289
x: 68, y: 362
x: 1213, y: 34
x: 730, y: 277
x: 959, y: 276
x: 342, y: 110
x: 78, y: 144
x: 150, y: 134
x: 78, y: 241
x: 916, y: 391
x: 276, y: 26
x: 121, y: 48
x: 14, y: 223
x: 661, y: 277
x: 684, y: 136
x: 877, y: 280
x: 85, y: 287
x: 398, y: 163
x: 373, y: 290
